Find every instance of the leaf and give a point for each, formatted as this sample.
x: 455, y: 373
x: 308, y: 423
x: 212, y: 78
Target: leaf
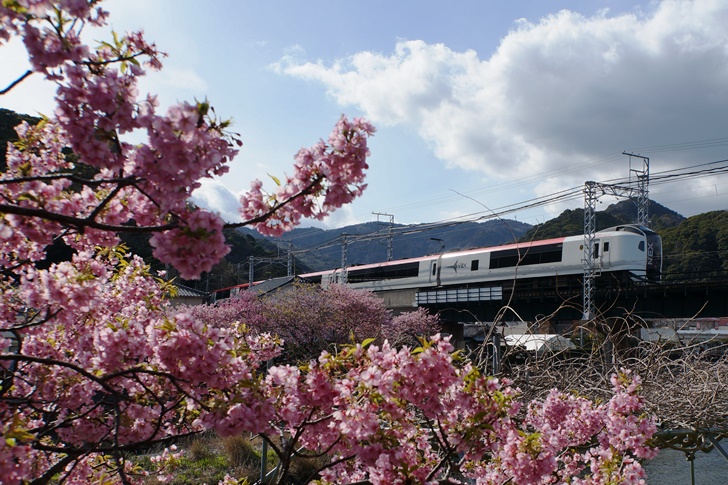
x: 367, y: 342
x: 275, y: 179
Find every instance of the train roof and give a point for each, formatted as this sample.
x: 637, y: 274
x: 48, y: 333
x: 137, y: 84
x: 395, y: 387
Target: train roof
x: 519, y: 245
x: 464, y: 252
x: 373, y: 265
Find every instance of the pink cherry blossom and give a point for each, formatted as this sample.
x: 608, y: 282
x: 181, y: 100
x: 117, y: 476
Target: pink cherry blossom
x: 326, y: 176
x: 95, y: 363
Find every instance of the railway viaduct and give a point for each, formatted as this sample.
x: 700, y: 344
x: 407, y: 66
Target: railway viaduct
x: 560, y: 302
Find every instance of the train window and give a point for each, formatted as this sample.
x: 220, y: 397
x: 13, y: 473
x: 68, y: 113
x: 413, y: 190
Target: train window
x: 641, y: 246
x: 314, y: 280
x: 386, y: 272
x: 474, y: 265
x: 508, y: 258
x: 434, y: 269
x: 596, y: 250
x: 606, y: 247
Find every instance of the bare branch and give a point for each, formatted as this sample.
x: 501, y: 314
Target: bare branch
x: 80, y: 222
x: 16, y: 82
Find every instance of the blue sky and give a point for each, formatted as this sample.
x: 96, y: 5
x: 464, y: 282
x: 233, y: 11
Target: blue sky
x: 478, y: 104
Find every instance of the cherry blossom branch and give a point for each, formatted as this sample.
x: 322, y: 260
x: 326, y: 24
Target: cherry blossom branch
x: 79, y: 222
x: 308, y: 190
x: 53, y: 362
x: 22, y: 78
x: 120, y: 181
x: 55, y: 469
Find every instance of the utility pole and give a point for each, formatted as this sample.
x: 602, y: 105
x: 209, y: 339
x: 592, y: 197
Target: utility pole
x: 389, y: 232
x: 289, y: 265
x: 643, y: 181
x: 590, y: 201
x: 442, y: 244
x: 251, y: 269
x: 344, y: 244
x: 251, y: 272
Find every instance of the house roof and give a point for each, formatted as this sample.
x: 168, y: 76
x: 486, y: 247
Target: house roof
x: 187, y: 292
x: 268, y: 286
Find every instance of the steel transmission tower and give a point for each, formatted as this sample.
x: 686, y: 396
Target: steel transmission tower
x: 592, y: 192
x: 643, y: 182
x: 344, y: 247
x: 289, y: 262
x: 389, y: 232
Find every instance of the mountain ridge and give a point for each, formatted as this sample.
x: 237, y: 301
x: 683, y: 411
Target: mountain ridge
x: 696, y: 246
x: 322, y: 249
x: 366, y: 243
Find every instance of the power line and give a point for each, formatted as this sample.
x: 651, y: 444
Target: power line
x: 656, y: 178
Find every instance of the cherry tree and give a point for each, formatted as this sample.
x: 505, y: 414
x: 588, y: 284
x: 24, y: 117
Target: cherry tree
x: 426, y: 416
x: 89, y: 368
x: 408, y: 328
x: 310, y: 319
x: 95, y: 366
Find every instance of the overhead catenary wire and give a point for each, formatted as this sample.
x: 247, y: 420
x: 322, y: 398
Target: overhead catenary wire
x: 581, y: 166
x: 707, y: 169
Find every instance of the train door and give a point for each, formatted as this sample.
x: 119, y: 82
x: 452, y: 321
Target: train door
x: 597, y: 253
x: 605, y: 258
x: 435, y: 265
x: 332, y: 279
x: 601, y: 254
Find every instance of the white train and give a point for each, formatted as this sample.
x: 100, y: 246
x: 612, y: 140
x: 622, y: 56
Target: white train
x: 627, y: 252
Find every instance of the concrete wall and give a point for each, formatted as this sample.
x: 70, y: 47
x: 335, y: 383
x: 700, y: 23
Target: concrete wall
x: 399, y: 301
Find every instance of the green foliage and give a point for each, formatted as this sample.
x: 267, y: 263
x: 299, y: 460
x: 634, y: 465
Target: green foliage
x: 571, y: 222
x: 660, y: 217
x: 212, y: 468
x: 207, y: 458
x: 8, y: 121
x: 697, y: 249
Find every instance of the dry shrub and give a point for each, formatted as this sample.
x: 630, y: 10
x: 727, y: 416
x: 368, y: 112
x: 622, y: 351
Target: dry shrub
x: 199, y: 448
x: 685, y: 384
x: 240, y: 452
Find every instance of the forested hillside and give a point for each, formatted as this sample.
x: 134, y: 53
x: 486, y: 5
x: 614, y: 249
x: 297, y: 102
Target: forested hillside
x: 233, y: 269
x: 571, y: 222
x: 8, y: 121
x: 697, y: 248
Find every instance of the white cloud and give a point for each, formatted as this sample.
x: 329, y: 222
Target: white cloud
x: 557, y: 92
x: 341, y: 217
x: 215, y: 196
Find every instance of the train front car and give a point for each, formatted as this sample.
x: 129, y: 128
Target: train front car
x: 654, y: 255
x: 636, y: 250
